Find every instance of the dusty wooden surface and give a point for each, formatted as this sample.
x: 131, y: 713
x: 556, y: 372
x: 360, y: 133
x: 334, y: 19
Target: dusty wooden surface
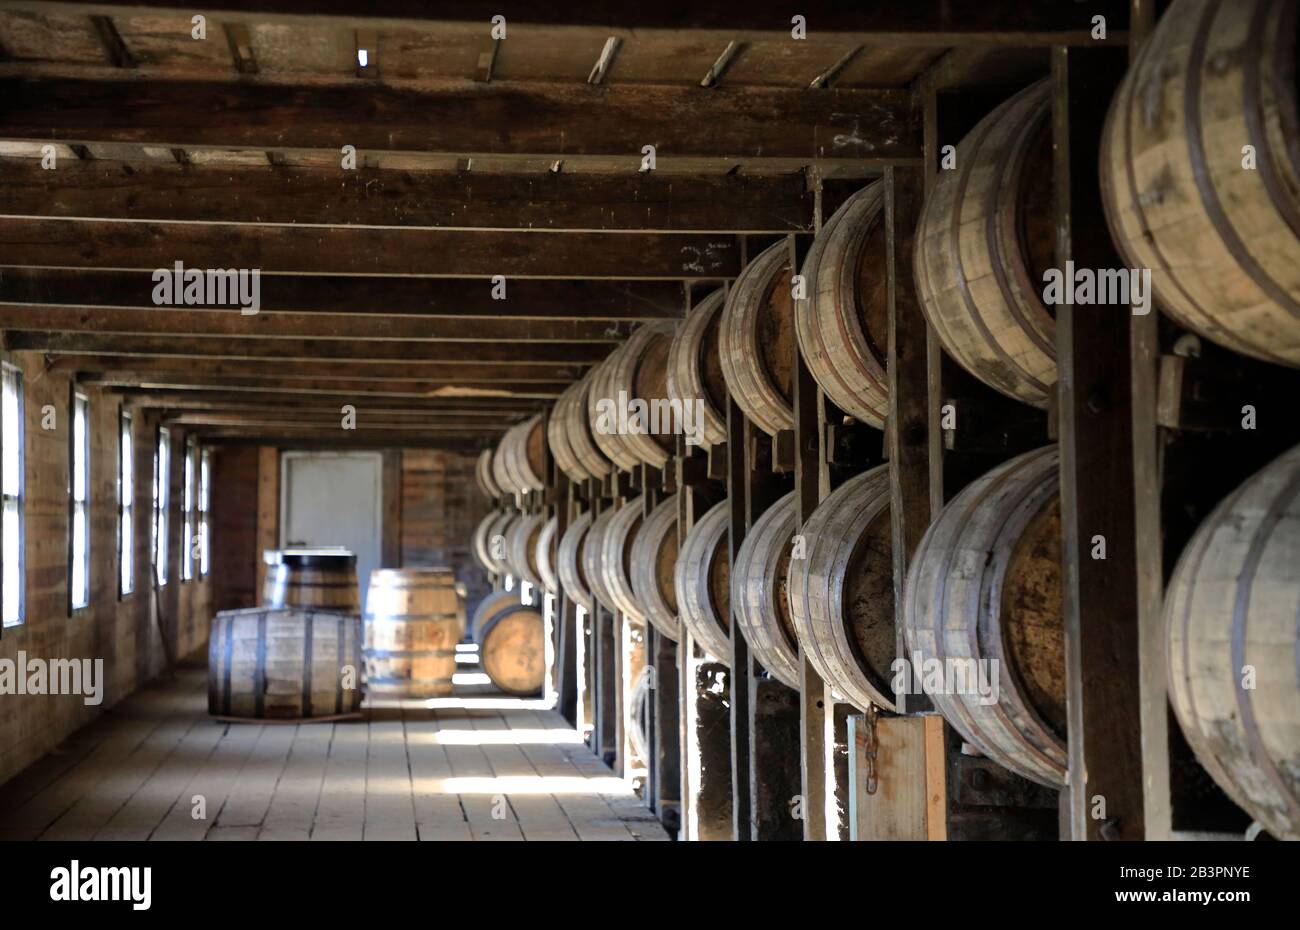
x: 406, y: 772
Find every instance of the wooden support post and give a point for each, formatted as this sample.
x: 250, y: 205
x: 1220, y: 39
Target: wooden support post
x: 909, y: 407
x: 1097, y: 481
x: 604, y: 671
x: 566, y: 613
x: 741, y: 664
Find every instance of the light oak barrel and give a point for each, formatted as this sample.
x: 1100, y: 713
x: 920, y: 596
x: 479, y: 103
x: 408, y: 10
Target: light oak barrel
x: 602, y: 413
x: 639, y: 374
x: 593, y: 559
x: 479, y: 540
x: 570, y: 565
x: 616, y: 556
x: 323, y: 579
x: 577, y: 425
x: 486, y: 608
x: 760, y: 595
x: 521, y: 548
x: 654, y: 559
x: 843, y: 323
x: 756, y: 340
x: 1230, y: 616
x: 985, y: 239
x: 702, y: 583
x: 695, y: 368
x: 557, y: 436
x: 842, y: 590
x: 545, y: 555
x: 501, y: 473
x: 414, y: 618
x: 511, y: 649
x: 1222, y: 239
x: 268, y: 663
x: 483, y: 475
x: 524, y: 446
x: 498, y: 544
x: 985, y: 585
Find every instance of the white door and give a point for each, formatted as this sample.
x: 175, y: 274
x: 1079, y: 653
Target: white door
x: 334, y: 499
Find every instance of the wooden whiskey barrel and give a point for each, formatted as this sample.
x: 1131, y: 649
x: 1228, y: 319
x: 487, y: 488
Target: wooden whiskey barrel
x: 985, y: 239
x: 483, y: 475
x: 521, y: 548
x: 985, y: 587
x: 593, y: 559
x: 756, y: 340
x: 654, y: 558
x: 759, y: 591
x: 1230, y: 613
x: 269, y: 663
x: 486, y: 608
x: 479, y: 540
x: 1221, y: 237
x: 545, y: 555
x: 557, y: 436
x: 577, y: 427
x: 498, y: 542
x: 616, y: 556
x: 414, y: 618
x: 639, y: 374
x: 325, y: 579
x: 842, y: 590
x: 524, y: 453
x: 512, y: 649
x: 570, y: 565
x: 695, y: 368
x: 843, y: 323
x: 701, y: 580
x: 603, y: 415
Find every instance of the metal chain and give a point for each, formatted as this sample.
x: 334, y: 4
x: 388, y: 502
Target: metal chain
x: 869, y: 749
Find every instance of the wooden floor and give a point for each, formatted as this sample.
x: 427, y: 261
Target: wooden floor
x: 478, y: 768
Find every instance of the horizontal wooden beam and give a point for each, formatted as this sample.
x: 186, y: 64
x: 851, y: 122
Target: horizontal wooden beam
x: 383, y: 434
x: 461, y: 117
x: 112, y: 369
x: 364, y: 251
x: 529, y: 298
x: 559, y: 353
x: 171, y: 321
x: 363, y: 418
x: 553, y: 201
x: 217, y: 399
x: 207, y: 412
x: 917, y: 22
x: 532, y: 389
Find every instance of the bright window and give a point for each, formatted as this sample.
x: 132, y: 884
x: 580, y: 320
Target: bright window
x: 79, y: 491
x: 161, y: 481
x: 11, y: 439
x: 126, y: 506
x: 205, y: 473
x: 187, y: 513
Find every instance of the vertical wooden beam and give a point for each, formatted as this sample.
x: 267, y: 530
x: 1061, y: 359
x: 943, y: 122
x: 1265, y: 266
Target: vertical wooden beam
x: 392, y: 504
x: 268, y: 509
x: 741, y: 664
x: 566, y: 612
x: 909, y: 399
x: 809, y: 465
x: 1147, y: 480
x: 1097, y: 482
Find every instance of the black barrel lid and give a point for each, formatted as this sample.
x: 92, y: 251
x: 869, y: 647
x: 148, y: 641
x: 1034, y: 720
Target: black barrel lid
x: 320, y: 557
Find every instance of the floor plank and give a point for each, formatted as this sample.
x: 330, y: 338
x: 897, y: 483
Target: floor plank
x: 479, y: 766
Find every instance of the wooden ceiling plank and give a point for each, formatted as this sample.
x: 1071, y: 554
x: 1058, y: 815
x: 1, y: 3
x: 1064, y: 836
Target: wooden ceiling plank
x: 465, y: 118
x: 49, y: 243
x: 536, y: 298
x: 553, y: 201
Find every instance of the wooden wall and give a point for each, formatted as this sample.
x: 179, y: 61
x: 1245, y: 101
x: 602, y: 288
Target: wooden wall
x: 441, y: 506
x: 235, y: 552
x: 121, y: 631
